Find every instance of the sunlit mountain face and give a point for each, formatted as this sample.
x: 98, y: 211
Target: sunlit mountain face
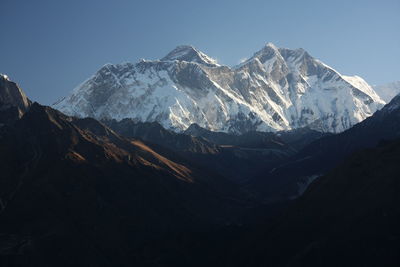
x: 276, y: 89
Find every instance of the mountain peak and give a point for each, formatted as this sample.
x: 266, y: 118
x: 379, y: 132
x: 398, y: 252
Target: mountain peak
x: 4, y: 77
x: 186, y: 47
x: 190, y: 54
x: 270, y: 50
x: 13, y: 101
x: 271, y: 45
x: 267, y: 52
x: 11, y: 95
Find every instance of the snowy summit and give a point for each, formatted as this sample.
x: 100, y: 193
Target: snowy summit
x: 190, y: 54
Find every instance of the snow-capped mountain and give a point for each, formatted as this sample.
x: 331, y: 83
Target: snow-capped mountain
x: 275, y: 89
x: 388, y: 91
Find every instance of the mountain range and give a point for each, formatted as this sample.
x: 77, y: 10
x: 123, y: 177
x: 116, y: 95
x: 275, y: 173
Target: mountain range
x: 88, y: 189
x: 276, y: 89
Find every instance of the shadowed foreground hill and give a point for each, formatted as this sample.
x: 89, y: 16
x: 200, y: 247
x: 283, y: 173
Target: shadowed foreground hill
x: 86, y: 196
x: 349, y: 217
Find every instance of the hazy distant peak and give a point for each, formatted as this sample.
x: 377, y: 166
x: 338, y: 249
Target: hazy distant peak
x: 388, y: 91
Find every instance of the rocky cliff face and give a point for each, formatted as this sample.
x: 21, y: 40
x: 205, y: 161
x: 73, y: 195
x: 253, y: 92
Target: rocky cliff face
x: 276, y: 89
x: 13, y: 101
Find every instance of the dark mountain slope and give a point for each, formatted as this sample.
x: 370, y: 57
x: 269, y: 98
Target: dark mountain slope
x: 349, y: 217
x: 74, y: 193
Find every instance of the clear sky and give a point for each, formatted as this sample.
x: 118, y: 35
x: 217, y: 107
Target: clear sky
x: 50, y: 46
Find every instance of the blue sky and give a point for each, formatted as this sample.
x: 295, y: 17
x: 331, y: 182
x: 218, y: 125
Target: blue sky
x: 50, y: 46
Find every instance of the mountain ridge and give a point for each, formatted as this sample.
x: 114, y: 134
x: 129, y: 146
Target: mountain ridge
x: 77, y: 191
